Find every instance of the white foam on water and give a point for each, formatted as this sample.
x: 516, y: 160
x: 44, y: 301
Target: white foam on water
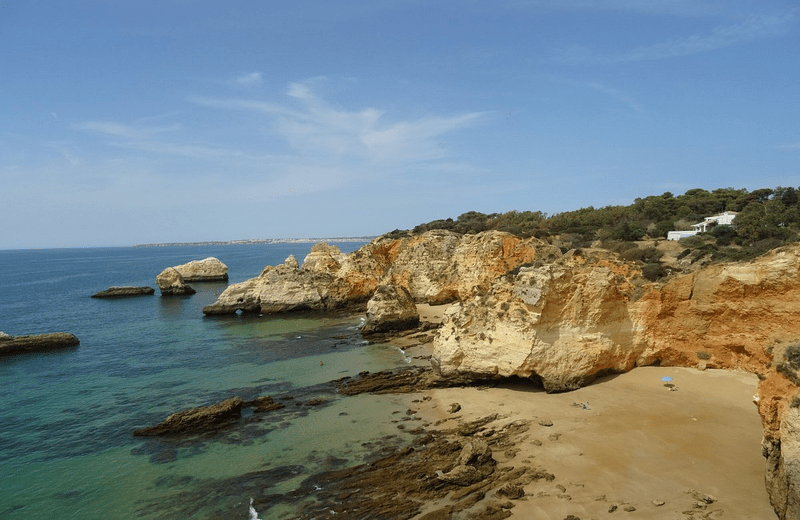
x: 253, y: 512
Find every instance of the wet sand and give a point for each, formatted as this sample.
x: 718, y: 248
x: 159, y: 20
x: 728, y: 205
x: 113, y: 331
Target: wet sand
x: 626, y: 446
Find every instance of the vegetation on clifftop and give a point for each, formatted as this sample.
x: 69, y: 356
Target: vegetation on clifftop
x: 766, y: 218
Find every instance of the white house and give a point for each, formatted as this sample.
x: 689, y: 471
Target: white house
x: 721, y: 219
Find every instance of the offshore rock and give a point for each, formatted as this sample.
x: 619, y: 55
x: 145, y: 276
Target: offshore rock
x: 171, y: 283
x: 124, y: 292
x: 390, y: 308
x: 207, y: 270
x: 435, y: 267
x: 197, y: 420
x: 10, y: 345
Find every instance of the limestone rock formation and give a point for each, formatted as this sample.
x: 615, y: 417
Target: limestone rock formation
x: 172, y: 283
x: 435, y: 267
x: 566, y: 322
x: 390, y: 308
x: 207, y: 270
x: 561, y: 323
x: 10, y: 345
x: 124, y: 292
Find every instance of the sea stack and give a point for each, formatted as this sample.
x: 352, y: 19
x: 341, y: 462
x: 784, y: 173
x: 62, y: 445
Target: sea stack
x: 171, y: 283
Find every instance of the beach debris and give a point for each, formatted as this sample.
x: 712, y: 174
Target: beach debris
x: 666, y: 378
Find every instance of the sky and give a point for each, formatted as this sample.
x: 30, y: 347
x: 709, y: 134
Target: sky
x: 125, y: 122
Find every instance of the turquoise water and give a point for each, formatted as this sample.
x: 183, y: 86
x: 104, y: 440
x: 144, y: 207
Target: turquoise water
x: 66, y: 448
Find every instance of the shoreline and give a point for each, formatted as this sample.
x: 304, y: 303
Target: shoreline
x: 625, y: 441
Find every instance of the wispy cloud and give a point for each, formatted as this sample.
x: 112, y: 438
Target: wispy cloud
x: 151, y: 139
x: 617, y: 95
x: 313, y: 126
x: 752, y: 28
x: 249, y: 80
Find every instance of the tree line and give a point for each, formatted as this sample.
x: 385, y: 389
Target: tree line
x: 766, y: 218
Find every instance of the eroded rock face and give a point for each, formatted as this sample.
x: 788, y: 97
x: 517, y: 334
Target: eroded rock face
x: 435, y: 267
x: 171, y: 283
x: 207, y: 270
x: 562, y: 323
x: 390, y: 308
x: 566, y: 322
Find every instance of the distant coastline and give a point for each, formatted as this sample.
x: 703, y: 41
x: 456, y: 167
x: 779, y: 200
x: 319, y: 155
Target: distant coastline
x: 261, y: 241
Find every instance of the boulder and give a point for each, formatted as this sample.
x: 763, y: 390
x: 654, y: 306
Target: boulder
x: 390, y: 308
x: 124, y: 292
x: 474, y: 463
x: 206, y: 270
x: 10, y: 345
x: 197, y: 420
x: 171, y: 283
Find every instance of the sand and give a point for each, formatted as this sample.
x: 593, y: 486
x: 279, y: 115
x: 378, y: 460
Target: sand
x: 624, y: 442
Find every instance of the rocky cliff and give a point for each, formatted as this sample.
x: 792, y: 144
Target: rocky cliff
x: 436, y: 267
x: 587, y: 314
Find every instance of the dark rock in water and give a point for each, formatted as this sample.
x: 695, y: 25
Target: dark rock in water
x: 197, y: 420
x: 264, y: 404
x: 124, y: 292
x: 10, y: 345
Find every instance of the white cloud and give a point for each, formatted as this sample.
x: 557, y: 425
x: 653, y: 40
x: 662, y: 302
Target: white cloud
x: 317, y: 128
x: 249, y: 80
x: 753, y: 27
x: 115, y: 129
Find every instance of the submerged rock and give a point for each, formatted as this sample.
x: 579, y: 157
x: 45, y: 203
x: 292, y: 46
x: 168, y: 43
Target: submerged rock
x: 197, y: 420
x: 172, y: 283
x: 10, y: 345
x: 124, y: 292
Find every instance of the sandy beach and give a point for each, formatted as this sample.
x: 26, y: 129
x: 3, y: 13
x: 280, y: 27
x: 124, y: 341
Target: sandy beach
x: 630, y: 445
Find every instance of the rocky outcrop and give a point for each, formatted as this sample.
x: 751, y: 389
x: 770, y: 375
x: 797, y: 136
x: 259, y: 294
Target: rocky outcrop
x: 10, y: 345
x: 197, y: 420
x: 562, y: 324
x: 435, y: 267
x: 172, y: 283
x: 206, y: 270
x: 566, y: 322
x: 124, y: 292
x: 390, y: 308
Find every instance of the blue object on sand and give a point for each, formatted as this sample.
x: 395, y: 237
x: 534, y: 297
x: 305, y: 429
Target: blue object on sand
x: 666, y: 378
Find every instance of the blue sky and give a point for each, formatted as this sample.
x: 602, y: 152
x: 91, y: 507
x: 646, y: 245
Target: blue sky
x: 136, y: 121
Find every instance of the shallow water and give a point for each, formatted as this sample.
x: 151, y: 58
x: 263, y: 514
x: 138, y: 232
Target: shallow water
x: 66, y: 448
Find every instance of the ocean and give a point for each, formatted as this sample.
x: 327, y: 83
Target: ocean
x: 66, y: 420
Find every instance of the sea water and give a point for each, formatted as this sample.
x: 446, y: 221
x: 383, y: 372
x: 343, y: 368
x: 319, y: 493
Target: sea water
x: 66, y: 418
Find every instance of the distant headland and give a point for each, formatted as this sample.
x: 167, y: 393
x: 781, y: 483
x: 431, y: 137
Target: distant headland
x: 261, y: 241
